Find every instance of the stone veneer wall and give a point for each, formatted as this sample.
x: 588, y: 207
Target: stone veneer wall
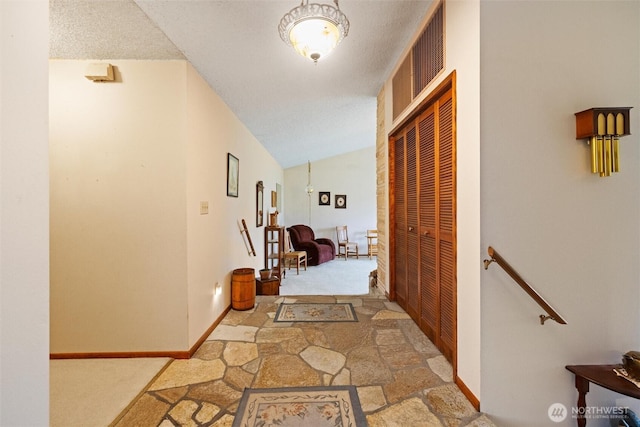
x: 381, y: 191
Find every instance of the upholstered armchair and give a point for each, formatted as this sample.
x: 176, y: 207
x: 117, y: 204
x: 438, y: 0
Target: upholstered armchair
x: 318, y: 250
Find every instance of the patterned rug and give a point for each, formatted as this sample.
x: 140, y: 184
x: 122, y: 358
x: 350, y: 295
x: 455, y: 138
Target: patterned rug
x: 316, y: 312
x: 336, y: 406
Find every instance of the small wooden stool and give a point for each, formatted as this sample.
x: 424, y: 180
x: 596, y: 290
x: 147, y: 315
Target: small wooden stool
x: 297, y: 256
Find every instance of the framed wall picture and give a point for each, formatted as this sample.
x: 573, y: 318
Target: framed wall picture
x: 233, y: 175
x: 259, y: 204
x: 341, y: 201
x: 278, y: 197
x: 324, y: 198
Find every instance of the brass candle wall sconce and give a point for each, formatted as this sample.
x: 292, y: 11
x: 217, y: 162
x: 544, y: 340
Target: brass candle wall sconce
x: 604, y: 127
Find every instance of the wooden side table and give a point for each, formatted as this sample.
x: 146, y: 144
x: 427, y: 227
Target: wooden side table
x: 603, y: 376
x: 270, y: 286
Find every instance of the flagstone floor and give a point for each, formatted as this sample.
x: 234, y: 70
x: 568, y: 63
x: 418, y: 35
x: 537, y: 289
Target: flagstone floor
x: 401, y: 378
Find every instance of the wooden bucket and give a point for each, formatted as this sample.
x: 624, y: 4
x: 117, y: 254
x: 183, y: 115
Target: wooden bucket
x: 243, y: 289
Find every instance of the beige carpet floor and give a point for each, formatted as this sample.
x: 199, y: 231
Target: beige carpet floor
x: 336, y: 277
x: 93, y: 392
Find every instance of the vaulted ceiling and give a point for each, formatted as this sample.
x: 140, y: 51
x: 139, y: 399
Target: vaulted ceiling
x: 297, y: 109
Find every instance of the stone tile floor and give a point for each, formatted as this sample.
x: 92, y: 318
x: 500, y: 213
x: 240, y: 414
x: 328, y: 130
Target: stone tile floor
x: 401, y: 377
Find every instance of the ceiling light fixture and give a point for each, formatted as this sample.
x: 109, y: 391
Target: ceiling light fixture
x: 313, y: 30
x: 309, y: 188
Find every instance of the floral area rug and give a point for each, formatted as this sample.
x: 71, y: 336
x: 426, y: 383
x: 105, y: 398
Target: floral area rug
x: 336, y: 406
x: 315, y: 312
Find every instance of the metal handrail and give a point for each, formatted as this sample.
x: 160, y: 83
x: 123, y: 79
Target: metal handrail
x: 551, y: 313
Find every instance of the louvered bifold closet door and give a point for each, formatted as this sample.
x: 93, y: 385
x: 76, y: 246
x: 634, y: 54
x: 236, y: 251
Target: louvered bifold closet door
x: 429, y: 291
x: 400, y: 208
x: 446, y: 222
x: 424, y: 212
x: 413, y: 285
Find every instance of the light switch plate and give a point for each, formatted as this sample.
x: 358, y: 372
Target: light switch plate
x: 204, y: 208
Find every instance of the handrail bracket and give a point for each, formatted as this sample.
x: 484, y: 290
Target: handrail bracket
x: 487, y: 263
x: 544, y: 318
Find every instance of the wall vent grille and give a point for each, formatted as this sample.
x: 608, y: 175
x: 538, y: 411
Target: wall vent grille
x: 422, y: 65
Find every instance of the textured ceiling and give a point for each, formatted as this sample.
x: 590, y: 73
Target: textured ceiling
x: 299, y: 111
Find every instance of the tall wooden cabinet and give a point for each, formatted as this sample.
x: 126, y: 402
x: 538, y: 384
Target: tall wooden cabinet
x: 422, y: 197
x: 274, y: 250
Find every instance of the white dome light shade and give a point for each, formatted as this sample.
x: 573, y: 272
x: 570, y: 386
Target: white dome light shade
x: 314, y: 38
x: 313, y: 30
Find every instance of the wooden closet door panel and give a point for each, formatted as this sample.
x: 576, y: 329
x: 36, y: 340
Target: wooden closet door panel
x: 446, y: 226
x: 429, y: 289
x: 446, y: 185
x: 400, y: 275
x: 447, y: 312
x: 426, y: 126
x: 413, y: 285
x: 428, y: 281
x: 400, y: 247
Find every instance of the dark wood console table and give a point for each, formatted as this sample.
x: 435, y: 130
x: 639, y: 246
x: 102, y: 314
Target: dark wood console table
x: 603, y: 376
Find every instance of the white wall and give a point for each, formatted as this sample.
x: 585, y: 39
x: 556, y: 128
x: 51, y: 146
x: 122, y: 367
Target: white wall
x: 130, y: 163
x: 118, y: 224
x: 215, y: 245
x: 462, y: 56
x: 24, y: 230
x: 572, y: 235
x: 352, y: 174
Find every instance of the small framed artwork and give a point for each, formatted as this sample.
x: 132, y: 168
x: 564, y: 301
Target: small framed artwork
x: 341, y: 201
x: 278, y: 197
x: 324, y: 198
x: 233, y: 175
x: 259, y: 204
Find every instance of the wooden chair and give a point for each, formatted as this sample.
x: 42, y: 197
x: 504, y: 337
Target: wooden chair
x: 350, y: 248
x: 372, y: 243
x: 291, y: 256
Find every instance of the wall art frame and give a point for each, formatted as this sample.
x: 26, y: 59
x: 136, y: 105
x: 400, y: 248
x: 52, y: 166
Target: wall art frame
x: 259, y: 204
x: 341, y: 201
x: 324, y: 198
x: 233, y: 175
